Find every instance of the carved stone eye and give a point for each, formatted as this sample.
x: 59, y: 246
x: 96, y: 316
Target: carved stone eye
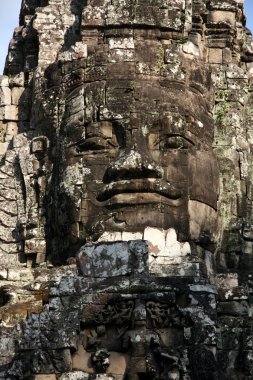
x: 98, y: 136
x: 174, y: 142
x: 168, y: 141
x: 93, y: 143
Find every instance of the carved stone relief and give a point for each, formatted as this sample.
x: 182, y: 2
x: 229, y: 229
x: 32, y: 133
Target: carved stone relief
x: 126, y: 192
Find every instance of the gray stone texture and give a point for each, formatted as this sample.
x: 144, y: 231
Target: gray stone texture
x: 126, y: 218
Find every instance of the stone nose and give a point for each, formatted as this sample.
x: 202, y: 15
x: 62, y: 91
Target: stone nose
x: 133, y: 164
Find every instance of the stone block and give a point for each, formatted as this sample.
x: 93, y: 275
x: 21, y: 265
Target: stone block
x: 20, y: 275
x: 227, y: 280
x: 104, y: 260
x: 190, y: 48
x: 171, y: 237
x: 13, y: 275
x: 39, y: 144
x: 250, y: 70
x: 4, y: 81
x: 235, y: 73
x: 182, y: 270
x: 7, y: 258
x: 11, y: 130
x: 235, y: 308
x: 121, y: 55
x: 118, y: 363
x: 203, y: 289
x: 127, y: 236
x: 7, y: 346
x: 104, y: 376
x: 67, y: 286
x: 3, y: 148
x: 5, y: 96
x: 7, y: 219
x: 3, y: 273
x: 209, y: 262
x: 3, y: 127
x: 19, y: 141
x: 18, y: 80
x: 50, y: 376
x: 2, y: 112
x: 219, y: 16
x: 204, y: 334
x: 113, y: 259
x: 35, y: 245
x: 239, y: 293
x: 227, y: 55
x: 156, y: 239
x: 121, y: 43
x: 9, y: 112
x: 215, y: 56
x: 81, y: 359
x: 80, y: 49
x: 110, y: 236
x: 248, y: 232
x: 173, y: 252
x: 16, y: 94
x: 76, y: 375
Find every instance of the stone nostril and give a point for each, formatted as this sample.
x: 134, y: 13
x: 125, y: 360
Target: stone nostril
x: 132, y: 165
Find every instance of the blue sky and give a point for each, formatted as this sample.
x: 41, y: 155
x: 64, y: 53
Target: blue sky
x: 249, y: 12
x: 9, y: 12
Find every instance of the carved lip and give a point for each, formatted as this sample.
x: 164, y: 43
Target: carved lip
x: 139, y: 191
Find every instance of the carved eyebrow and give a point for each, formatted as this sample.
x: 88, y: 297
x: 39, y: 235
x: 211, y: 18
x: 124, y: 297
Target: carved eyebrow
x: 76, y: 143
x: 164, y: 135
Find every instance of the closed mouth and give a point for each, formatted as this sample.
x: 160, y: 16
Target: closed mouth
x: 139, y: 191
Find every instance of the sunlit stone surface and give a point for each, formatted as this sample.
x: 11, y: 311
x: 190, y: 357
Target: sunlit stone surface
x: 126, y: 221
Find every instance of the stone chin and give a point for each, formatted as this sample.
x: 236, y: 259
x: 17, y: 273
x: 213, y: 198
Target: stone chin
x: 130, y: 214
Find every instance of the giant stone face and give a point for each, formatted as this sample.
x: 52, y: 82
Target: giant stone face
x: 138, y: 149
x: 113, y: 177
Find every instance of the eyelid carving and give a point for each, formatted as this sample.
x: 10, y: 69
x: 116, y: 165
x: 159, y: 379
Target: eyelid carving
x: 93, y: 143
x: 96, y: 136
x: 173, y: 141
x: 97, y: 143
x: 102, y: 129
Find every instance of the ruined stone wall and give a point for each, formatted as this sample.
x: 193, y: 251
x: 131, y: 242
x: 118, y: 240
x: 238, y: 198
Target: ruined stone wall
x: 85, y: 294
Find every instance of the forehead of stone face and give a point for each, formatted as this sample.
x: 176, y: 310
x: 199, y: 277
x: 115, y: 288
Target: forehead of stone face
x: 140, y: 104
